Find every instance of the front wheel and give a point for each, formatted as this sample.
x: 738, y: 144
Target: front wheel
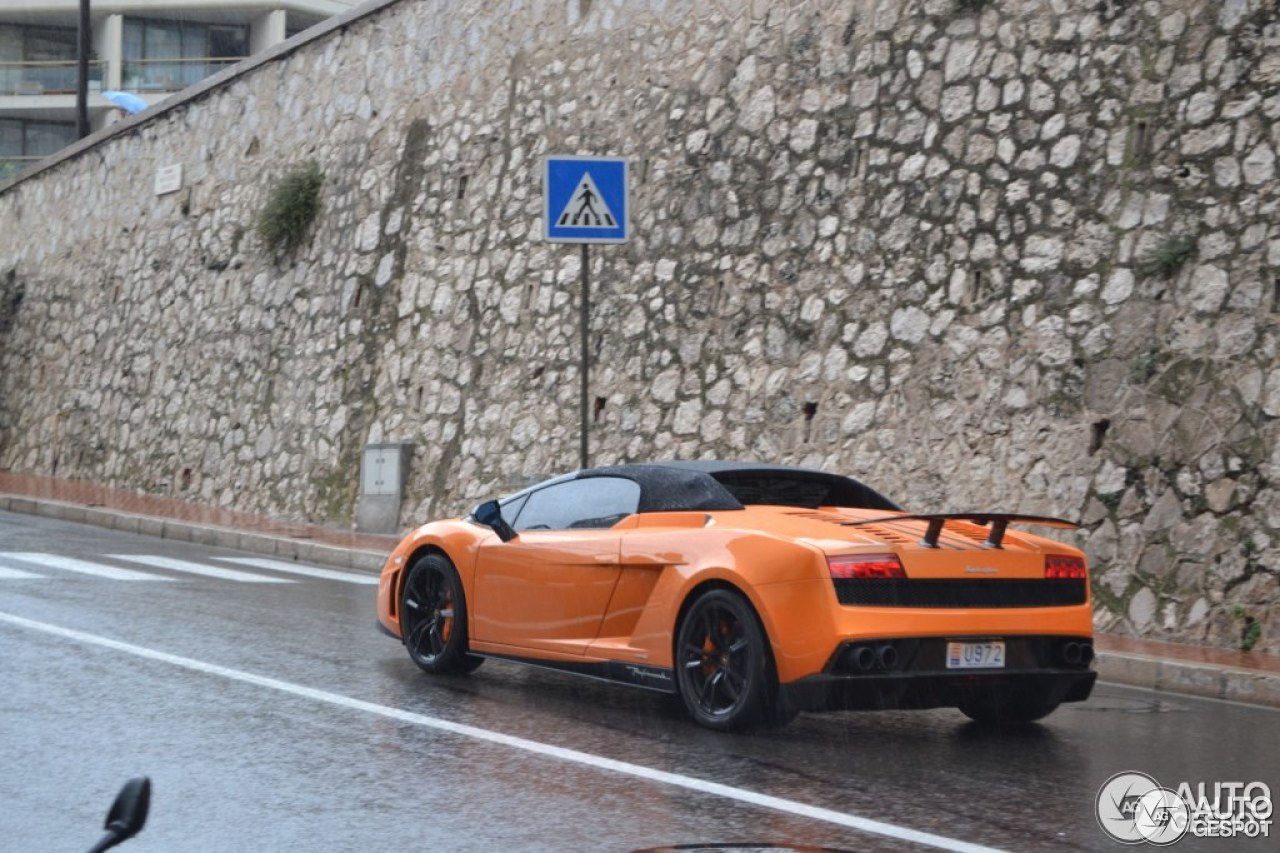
x: 723, y: 667
x: 433, y: 617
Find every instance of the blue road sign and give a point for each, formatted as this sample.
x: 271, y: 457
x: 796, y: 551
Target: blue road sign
x: 585, y: 200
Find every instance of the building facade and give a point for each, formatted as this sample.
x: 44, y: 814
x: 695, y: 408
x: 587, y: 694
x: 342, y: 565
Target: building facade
x: 150, y: 48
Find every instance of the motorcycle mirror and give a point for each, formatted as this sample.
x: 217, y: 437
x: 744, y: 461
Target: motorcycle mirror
x: 128, y: 814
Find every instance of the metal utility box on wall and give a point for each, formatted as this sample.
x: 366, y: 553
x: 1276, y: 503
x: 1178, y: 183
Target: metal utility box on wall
x: 383, y: 471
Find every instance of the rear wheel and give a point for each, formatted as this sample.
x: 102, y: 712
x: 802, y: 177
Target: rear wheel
x: 1008, y: 708
x: 433, y: 617
x: 723, y: 667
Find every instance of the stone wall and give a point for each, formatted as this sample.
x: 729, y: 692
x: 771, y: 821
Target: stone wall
x: 1019, y: 255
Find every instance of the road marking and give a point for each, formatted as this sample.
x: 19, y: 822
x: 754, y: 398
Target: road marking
x: 67, y: 564
x: 196, y: 568
x: 742, y: 795
x: 308, y: 571
x: 16, y: 574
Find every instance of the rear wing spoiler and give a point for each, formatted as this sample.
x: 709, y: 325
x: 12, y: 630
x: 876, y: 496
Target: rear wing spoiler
x: 999, y: 522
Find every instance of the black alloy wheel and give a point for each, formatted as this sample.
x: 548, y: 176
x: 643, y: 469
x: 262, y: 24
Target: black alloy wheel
x: 433, y: 617
x: 723, y: 667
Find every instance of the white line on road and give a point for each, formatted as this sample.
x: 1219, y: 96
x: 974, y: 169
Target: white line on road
x: 67, y: 564
x: 196, y: 568
x: 742, y: 795
x: 16, y: 574
x: 297, y: 569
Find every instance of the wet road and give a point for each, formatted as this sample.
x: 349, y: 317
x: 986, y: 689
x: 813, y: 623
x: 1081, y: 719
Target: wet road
x: 271, y: 715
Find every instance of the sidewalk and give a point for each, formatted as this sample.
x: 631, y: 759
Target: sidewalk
x: 1190, y: 670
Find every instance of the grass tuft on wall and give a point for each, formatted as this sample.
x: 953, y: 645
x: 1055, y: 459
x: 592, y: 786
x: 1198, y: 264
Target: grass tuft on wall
x: 1168, y: 257
x: 291, y: 207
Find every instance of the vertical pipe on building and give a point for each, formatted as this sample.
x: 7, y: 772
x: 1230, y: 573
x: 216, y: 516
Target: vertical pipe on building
x: 82, y: 72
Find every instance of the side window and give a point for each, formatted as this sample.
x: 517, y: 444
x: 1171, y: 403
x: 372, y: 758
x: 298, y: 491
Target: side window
x: 512, y: 506
x: 593, y: 503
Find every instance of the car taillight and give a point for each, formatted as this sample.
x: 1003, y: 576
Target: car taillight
x: 1060, y: 567
x: 866, y: 566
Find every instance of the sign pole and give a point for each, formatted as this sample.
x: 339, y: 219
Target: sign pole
x: 585, y: 313
x: 585, y: 200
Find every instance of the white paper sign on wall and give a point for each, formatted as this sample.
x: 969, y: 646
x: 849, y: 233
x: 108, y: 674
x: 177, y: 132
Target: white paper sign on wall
x: 168, y: 179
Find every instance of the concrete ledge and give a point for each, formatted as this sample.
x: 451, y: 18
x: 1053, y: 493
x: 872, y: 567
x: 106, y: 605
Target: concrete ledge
x: 1251, y: 687
x: 1133, y: 671
x: 1190, y: 679
x: 26, y: 506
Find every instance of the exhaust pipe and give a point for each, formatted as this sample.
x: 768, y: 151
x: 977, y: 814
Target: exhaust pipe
x: 863, y: 658
x: 1071, y: 653
x: 886, y: 656
x: 1077, y: 654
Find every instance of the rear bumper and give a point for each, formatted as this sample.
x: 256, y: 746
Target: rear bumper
x: 916, y: 676
x: 905, y: 691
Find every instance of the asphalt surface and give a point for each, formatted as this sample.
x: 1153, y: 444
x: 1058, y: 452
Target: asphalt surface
x: 271, y: 715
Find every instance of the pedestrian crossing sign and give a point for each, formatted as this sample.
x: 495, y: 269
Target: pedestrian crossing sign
x: 585, y: 200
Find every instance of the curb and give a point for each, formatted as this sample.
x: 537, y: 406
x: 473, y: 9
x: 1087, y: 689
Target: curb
x: 1205, y: 680
x: 1166, y: 675
x: 284, y: 547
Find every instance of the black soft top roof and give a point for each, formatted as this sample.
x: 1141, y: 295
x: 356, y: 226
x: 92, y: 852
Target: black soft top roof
x: 711, y: 485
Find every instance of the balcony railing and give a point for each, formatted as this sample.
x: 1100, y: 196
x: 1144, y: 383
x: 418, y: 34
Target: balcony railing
x: 170, y: 75
x: 46, y: 78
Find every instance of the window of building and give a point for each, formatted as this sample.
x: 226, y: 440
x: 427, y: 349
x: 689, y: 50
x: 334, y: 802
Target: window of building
x: 170, y: 55
x: 228, y: 42
x: 37, y: 44
x: 49, y: 44
x: 10, y: 44
x: 11, y: 138
x: 37, y: 60
x: 295, y: 23
x: 30, y: 139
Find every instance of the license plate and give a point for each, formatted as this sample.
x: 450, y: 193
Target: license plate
x: 986, y: 654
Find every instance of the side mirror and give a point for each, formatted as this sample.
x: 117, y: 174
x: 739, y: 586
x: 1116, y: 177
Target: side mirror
x: 490, y: 515
x: 128, y: 813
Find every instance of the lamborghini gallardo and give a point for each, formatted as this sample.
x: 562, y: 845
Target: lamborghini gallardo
x: 753, y: 592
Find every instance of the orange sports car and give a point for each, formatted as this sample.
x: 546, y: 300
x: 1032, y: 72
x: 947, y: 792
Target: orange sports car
x: 753, y: 591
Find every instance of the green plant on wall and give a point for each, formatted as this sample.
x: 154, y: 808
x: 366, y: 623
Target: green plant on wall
x: 1252, y: 630
x: 1168, y: 257
x: 291, y: 207
x: 1251, y: 634
x: 1145, y: 365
